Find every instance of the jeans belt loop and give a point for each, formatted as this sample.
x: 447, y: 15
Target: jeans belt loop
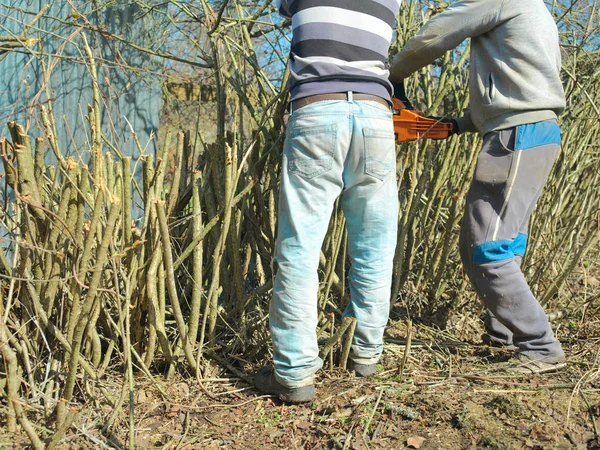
x: 350, y: 96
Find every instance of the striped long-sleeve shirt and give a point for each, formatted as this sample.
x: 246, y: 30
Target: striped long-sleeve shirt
x: 340, y: 45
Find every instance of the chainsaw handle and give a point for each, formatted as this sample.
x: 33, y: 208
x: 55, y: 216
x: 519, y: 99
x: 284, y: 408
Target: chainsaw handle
x: 411, y: 125
x: 449, y: 120
x: 400, y: 94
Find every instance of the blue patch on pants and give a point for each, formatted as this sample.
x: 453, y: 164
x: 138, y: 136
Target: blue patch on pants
x: 500, y: 250
x: 537, y: 134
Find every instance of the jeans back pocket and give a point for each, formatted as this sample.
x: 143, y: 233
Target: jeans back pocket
x: 380, y: 153
x: 310, y: 150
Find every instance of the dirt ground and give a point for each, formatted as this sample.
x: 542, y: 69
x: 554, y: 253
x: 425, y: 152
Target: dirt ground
x: 453, y: 395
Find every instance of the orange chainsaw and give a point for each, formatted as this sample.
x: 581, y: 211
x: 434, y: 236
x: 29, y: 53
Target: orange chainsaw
x: 410, y: 124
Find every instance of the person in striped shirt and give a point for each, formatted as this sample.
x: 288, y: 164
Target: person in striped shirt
x: 339, y: 144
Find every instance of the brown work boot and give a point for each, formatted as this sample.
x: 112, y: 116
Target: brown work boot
x: 362, y: 370
x: 265, y: 382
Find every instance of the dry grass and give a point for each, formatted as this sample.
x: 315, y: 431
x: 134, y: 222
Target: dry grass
x: 93, y: 309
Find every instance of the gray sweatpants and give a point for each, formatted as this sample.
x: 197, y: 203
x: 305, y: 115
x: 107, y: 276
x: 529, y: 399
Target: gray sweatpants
x: 511, y: 171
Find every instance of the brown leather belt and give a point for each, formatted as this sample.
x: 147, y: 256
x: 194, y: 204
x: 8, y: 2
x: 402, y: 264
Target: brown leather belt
x: 301, y: 102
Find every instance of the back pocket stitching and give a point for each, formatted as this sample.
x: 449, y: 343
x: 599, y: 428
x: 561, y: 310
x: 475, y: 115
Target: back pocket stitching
x: 322, y: 164
x: 374, y: 167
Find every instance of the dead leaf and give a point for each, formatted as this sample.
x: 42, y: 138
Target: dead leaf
x: 593, y: 281
x: 347, y: 412
x: 588, y: 436
x: 275, y: 434
x: 141, y: 396
x: 302, y: 424
x: 184, y: 389
x: 174, y: 411
x: 415, y: 441
x: 357, y: 445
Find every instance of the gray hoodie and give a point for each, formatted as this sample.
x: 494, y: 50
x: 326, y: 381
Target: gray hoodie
x: 514, y: 61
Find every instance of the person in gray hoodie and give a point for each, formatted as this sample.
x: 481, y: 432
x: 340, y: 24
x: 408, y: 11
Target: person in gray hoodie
x: 515, y: 97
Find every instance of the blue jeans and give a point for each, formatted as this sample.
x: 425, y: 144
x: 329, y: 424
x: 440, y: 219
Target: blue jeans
x: 333, y: 149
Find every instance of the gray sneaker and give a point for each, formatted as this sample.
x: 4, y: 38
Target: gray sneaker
x: 362, y: 370
x: 522, y: 364
x: 265, y: 382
